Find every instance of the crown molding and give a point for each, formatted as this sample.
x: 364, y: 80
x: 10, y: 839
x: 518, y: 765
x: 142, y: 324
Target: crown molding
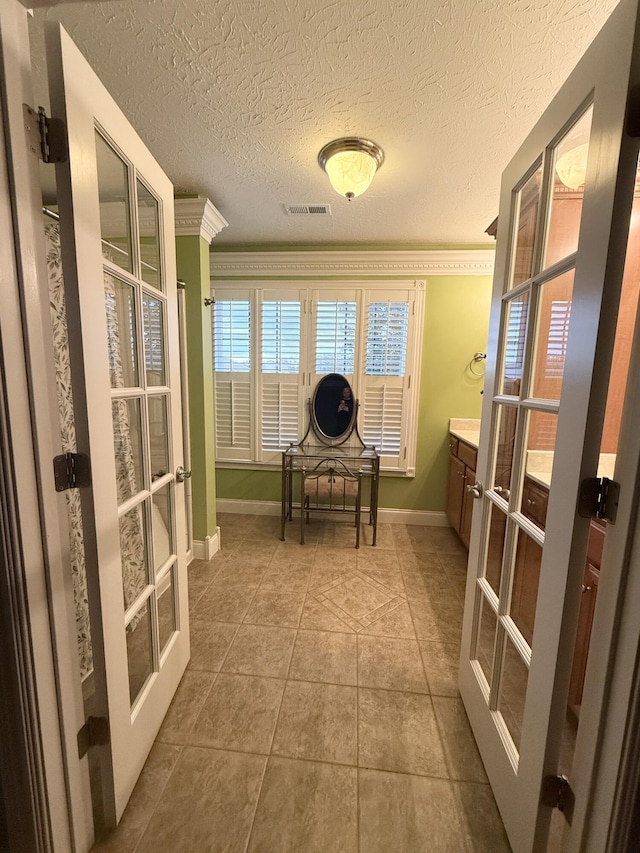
x: 341, y: 263
x: 197, y: 216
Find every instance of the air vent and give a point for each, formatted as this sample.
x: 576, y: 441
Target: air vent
x: 307, y: 209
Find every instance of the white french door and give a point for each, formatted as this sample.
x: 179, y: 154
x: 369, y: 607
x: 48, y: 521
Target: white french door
x: 564, y: 217
x: 118, y: 250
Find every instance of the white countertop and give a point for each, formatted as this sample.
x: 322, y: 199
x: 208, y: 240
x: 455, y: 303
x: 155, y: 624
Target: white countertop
x: 539, y: 462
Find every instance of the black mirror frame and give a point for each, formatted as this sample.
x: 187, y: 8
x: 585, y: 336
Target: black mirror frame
x: 340, y: 381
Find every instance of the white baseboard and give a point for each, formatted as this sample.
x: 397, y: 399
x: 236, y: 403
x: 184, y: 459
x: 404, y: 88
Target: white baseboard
x: 205, y: 549
x: 386, y: 516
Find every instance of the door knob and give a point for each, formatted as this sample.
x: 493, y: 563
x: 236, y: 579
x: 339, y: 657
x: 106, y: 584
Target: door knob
x: 475, y: 490
x: 181, y: 474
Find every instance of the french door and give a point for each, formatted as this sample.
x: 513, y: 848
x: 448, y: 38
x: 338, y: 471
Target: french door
x: 118, y: 253
x: 563, y: 222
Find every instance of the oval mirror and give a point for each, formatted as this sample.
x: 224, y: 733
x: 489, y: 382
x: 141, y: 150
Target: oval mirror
x: 333, y: 407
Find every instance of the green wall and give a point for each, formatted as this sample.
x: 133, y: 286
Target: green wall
x: 192, y: 256
x: 456, y: 326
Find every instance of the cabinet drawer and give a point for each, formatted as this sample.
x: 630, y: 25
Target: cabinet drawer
x: 467, y: 454
x: 453, y: 445
x: 534, y: 502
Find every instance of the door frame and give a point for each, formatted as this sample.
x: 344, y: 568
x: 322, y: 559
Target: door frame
x: 43, y: 622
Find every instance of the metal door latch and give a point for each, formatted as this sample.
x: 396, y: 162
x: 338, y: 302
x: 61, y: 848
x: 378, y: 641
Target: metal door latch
x: 181, y: 474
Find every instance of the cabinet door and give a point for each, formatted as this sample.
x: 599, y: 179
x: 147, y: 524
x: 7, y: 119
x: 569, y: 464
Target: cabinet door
x: 583, y: 636
x: 467, y: 506
x: 455, y: 492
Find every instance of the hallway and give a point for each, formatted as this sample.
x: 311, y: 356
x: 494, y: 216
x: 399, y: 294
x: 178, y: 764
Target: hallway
x: 319, y: 711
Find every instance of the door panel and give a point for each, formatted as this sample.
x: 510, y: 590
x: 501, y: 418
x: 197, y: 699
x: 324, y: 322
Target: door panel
x: 117, y: 233
x: 554, y: 312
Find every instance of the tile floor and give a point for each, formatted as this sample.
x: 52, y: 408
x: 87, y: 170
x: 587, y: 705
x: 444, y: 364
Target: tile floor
x: 319, y: 711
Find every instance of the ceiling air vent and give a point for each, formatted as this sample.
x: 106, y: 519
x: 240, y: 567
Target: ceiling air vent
x: 307, y: 209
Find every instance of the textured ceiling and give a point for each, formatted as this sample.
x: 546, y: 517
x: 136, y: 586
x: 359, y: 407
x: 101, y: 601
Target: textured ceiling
x: 235, y: 100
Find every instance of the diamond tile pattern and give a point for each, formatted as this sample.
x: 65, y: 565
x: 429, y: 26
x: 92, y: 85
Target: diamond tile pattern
x: 320, y: 709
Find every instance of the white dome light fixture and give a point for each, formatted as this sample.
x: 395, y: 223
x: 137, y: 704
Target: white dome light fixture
x: 351, y: 163
x: 572, y: 166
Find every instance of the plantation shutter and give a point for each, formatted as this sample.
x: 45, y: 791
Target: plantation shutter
x: 281, y: 372
x: 385, y: 403
x: 231, y: 328
x: 335, y: 334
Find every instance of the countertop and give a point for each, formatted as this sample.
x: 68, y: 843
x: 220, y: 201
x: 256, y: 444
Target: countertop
x: 539, y: 462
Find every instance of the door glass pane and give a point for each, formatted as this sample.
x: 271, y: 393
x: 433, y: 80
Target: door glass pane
x: 127, y: 447
x: 513, y: 691
x: 113, y: 191
x: 554, y: 311
x: 133, y: 554
x: 158, y: 436
x: 153, y: 334
x: 568, y: 190
x: 120, y: 307
x: 507, y: 416
x: 166, y: 609
x: 497, y: 527
x: 515, y: 337
x: 148, y: 224
x: 524, y: 593
x: 139, y: 656
x: 526, y: 228
x: 161, y: 526
x: 541, y: 441
x: 486, y: 639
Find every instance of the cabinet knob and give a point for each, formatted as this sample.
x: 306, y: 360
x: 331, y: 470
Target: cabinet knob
x: 586, y: 588
x: 530, y: 502
x: 475, y: 490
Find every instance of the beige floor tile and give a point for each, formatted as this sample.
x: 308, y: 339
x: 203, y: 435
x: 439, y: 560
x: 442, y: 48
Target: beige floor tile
x: 316, y: 617
x: 306, y: 807
x: 224, y: 604
x: 325, y: 656
x: 317, y: 721
x: 332, y: 556
x: 397, y: 623
x: 261, y: 650
x: 208, y: 804
x: 384, y: 539
x: 377, y: 559
x: 437, y: 622
x: 483, y: 828
x: 408, y: 814
x: 293, y: 552
x: 441, y: 663
x: 290, y: 577
x: 390, y: 663
x: 185, y: 706
x: 463, y: 758
x: 210, y: 642
x: 324, y: 573
x: 240, y: 713
x: 239, y: 573
x: 146, y: 794
x: 397, y: 731
x: 393, y: 580
x: 276, y: 608
x: 427, y: 564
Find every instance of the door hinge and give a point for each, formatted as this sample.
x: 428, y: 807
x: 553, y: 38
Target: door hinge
x: 95, y: 732
x: 557, y: 794
x: 46, y: 137
x: 633, y: 113
x: 71, y: 471
x: 599, y: 497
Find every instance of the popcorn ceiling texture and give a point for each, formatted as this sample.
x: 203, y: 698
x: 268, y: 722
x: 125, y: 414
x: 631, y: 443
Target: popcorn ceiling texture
x: 236, y: 98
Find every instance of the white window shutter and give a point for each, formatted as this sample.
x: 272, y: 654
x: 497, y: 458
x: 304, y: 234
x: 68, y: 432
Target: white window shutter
x: 232, y: 362
x: 281, y: 376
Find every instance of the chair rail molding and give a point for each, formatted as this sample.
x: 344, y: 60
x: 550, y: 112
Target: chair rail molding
x: 198, y: 217
x: 328, y: 263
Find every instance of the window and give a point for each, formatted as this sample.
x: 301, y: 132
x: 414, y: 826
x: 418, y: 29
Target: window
x: 272, y: 345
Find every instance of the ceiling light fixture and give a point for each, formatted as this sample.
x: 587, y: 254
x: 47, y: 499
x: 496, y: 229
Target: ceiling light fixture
x: 351, y: 163
x: 572, y: 166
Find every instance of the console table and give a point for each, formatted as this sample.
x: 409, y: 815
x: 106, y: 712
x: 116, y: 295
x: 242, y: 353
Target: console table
x: 348, y: 466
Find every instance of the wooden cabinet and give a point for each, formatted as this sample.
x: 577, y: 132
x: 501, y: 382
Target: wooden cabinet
x: 462, y: 472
